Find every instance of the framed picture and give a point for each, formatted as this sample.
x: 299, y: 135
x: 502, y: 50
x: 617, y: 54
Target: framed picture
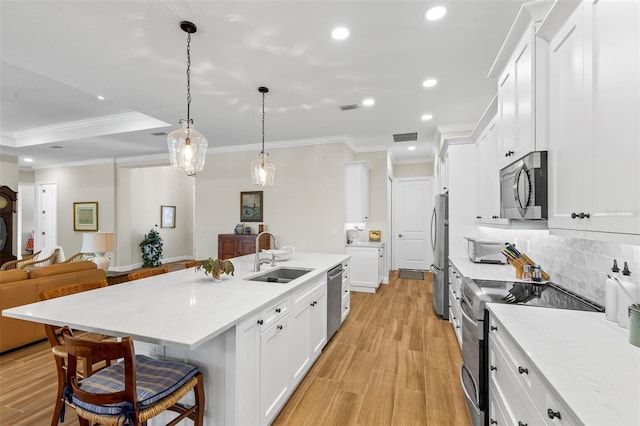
x: 251, y: 206
x: 374, y: 235
x: 167, y: 216
x: 85, y: 216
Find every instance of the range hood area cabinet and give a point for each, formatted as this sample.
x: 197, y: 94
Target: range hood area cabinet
x: 594, y: 105
x: 357, y: 192
x: 522, y: 87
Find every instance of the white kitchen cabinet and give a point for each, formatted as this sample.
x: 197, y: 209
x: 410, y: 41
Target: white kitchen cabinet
x: 488, y: 182
x: 308, y: 327
x: 366, y: 267
x: 248, y: 367
x: 275, y: 383
x: 594, y: 105
x: 346, y: 290
x: 517, y: 386
x: 357, y: 192
x: 455, y: 316
x: 520, y: 92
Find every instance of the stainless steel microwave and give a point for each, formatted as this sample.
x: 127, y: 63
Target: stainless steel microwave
x: 523, y: 188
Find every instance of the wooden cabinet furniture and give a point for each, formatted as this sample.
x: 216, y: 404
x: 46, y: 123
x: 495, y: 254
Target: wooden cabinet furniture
x: 357, y: 192
x: 518, y: 392
x: 8, y: 199
x: 366, y: 267
x: 234, y: 245
x: 594, y: 105
x: 276, y: 348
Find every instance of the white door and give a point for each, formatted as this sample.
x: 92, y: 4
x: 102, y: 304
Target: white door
x: 412, y: 213
x: 47, y: 232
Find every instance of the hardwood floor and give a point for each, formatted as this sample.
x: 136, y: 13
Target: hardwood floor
x: 393, y: 362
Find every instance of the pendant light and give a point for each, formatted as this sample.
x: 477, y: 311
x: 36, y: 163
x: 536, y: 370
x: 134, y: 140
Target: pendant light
x: 187, y: 146
x: 263, y: 170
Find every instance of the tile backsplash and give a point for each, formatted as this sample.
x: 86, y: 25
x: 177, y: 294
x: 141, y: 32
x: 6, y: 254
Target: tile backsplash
x: 574, y: 263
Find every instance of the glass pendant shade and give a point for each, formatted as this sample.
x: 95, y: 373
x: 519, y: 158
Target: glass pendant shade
x: 262, y: 170
x: 187, y: 148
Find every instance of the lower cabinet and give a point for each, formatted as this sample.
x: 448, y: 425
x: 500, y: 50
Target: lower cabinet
x: 276, y: 348
x: 367, y: 265
x: 455, y: 316
x: 346, y: 289
x: 518, y: 393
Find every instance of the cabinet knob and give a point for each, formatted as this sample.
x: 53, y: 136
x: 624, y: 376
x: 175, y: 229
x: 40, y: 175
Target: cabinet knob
x: 346, y: 291
x: 552, y: 414
x: 493, y: 422
x: 478, y: 217
x: 260, y: 322
x: 493, y: 368
x: 278, y: 310
x: 584, y: 215
x: 493, y: 328
x: 522, y: 370
x: 279, y: 327
x: 522, y: 424
x: 508, y: 154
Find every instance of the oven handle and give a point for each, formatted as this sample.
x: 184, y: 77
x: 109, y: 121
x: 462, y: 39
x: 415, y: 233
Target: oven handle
x: 464, y: 388
x: 464, y: 306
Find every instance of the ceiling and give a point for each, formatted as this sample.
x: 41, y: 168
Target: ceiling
x: 58, y: 56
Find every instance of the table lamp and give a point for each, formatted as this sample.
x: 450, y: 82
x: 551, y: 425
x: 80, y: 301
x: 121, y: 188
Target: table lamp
x: 99, y: 243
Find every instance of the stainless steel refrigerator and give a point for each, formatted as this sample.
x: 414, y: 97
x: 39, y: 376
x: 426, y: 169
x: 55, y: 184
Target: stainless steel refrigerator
x: 440, y: 246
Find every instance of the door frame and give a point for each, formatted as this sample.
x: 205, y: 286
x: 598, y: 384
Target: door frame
x: 394, y: 227
x: 38, y: 240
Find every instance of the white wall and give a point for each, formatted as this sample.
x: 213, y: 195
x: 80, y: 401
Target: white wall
x: 305, y: 207
x: 413, y: 170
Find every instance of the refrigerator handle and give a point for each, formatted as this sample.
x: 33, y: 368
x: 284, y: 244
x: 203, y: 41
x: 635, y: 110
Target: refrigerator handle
x: 433, y: 230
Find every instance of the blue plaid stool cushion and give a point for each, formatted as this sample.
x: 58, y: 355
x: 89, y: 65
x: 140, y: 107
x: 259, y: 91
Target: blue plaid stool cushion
x: 155, y: 379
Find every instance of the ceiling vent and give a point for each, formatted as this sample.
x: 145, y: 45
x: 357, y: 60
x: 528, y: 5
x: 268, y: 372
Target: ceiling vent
x: 405, y: 137
x: 348, y: 107
x: 159, y: 134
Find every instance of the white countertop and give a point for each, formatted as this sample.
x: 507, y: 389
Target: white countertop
x: 585, y: 358
x: 484, y: 271
x: 364, y: 244
x: 183, y: 309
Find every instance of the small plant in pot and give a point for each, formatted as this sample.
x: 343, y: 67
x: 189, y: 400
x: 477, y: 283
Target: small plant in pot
x: 215, y: 267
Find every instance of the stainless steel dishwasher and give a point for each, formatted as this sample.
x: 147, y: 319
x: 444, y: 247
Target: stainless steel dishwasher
x: 334, y: 300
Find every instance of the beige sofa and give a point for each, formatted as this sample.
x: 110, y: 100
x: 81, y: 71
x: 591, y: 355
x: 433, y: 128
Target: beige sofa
x: 18, y: 287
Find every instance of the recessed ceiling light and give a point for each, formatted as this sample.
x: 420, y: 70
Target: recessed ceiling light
x: 340, y: 33
x: 368, y: 102
x: 412, y: 148
x: 430, y: 82
x: 426, y: 117
x: 435, y: 13
x: 28, y: 160
x: 100, y: 97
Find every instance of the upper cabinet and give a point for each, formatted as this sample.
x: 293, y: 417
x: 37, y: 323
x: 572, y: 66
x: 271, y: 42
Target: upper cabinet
x: 488, y: 182
x: 521, y: 71
x: 594, y: 105
x: 357, y: 192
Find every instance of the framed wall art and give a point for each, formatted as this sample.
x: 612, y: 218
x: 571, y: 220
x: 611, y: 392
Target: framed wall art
x: 85, y: 216
x: 167, y: 216
x: 251, y: 206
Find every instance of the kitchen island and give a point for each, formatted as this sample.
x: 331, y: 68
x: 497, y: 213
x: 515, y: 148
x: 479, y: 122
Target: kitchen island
x: 218, y: 326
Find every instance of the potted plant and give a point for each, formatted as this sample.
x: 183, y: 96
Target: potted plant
x: 151, y: 248
x: 215, y: 267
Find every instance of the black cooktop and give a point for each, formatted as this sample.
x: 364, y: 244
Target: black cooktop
x: 534, y: 294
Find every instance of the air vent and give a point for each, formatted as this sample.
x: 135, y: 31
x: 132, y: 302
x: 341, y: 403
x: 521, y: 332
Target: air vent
x: 159, y: 134
x: 405, y: 137
x: 348, y: 107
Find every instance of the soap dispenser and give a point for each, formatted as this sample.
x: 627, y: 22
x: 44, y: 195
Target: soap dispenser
x: 626, y: 293
x: 611, y: 293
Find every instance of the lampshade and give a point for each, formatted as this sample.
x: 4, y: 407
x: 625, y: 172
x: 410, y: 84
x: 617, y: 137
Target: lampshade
x: 99, y: 243
x: 187, y: 148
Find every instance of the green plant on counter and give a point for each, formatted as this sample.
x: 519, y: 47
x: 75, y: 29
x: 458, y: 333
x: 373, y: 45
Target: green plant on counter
x: 215, y: 267
x: 151, y: 248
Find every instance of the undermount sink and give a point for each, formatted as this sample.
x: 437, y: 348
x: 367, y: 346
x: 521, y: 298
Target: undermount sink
x: 281, y: 275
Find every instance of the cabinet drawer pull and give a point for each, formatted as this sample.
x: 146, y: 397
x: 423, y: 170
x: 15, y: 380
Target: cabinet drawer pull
x: 522, y: 424
x: 493, y: 422
x: 493, y: 368
x: 279, y: 326
x: 552, y: 414
x: 278, y: 310
x: 493, y: 328
x: 260, y: 322
x: 522, y: 370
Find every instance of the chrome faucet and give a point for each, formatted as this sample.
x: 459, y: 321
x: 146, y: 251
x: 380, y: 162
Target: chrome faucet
x: 258, y: 261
